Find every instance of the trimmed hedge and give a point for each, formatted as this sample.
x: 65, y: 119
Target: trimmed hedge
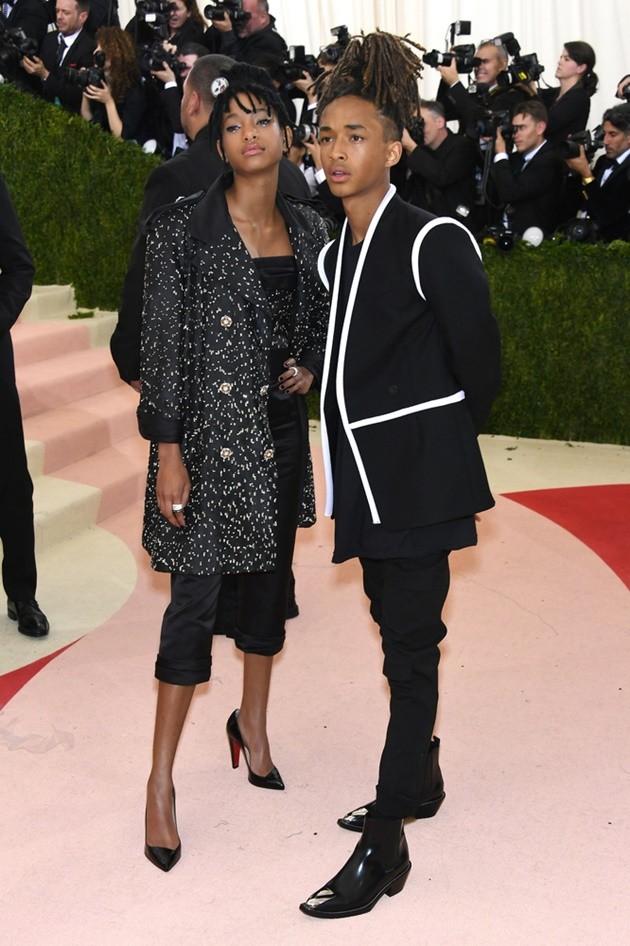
x: 78, y: 193
x: 563, y: 308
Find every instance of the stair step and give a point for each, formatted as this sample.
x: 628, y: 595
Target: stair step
x: 67, y: 378
x: 119, y: 472
x: 74, y: 431
x: 34, y: 342
x: 49, y: 302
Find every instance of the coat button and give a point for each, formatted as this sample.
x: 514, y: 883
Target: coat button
x: 393, y: 389
x: 269, y: 454
x: 225, y: 388
x: 264, y: 390
x: 226, y: 321
x: 226, y: 453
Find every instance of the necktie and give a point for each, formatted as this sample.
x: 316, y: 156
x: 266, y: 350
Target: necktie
x: 61, y: 50
x: 608, y: 169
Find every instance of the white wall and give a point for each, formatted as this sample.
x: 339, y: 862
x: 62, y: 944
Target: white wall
x: 541, y: 26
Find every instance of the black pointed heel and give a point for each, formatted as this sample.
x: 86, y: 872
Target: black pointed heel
x: 272, y: 780
x: 162, y: 857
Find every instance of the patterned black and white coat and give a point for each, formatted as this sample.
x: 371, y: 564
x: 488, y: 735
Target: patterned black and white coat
x: 205, y: 343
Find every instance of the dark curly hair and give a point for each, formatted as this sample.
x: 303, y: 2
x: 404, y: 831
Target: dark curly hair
x: 380, y: 68
x: 246, y: 83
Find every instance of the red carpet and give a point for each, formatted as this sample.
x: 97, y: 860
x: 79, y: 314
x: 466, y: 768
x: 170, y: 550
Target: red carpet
x: 597, y: 515
x: 11, y: 682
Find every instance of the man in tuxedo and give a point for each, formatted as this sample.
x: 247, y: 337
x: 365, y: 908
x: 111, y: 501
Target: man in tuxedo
x: 31, y: 16
x: 606, y: 188
x: 19, y: 573
x: 71, y: 46
x: 248, y: 41
x: 528, y: 181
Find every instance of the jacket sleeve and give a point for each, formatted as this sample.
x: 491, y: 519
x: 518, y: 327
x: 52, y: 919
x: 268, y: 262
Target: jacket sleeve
x: 16, y: 265
x: 454, y: 283
x: 161, y: 368
x: 538, y: 179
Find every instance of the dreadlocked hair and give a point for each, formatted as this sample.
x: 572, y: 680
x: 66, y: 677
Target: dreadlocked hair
x: 244, y: 84
x: 380, y: 68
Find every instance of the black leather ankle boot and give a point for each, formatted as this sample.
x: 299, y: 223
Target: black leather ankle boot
x: 379, y: 864
x: 431, y: 796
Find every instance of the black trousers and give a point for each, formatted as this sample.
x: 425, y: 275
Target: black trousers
x: 19, y: 573
x: 406, y: 600
x: 185, y: 651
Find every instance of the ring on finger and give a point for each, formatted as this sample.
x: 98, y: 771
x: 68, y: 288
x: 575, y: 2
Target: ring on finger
x: 294, y: 370
x: 177, y: 507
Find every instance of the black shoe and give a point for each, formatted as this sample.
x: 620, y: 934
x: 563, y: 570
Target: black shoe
x: 379, y: 864
x: 31, y: 619
x: 272, y: 780
x: 431, y: 796
x: 162, y: 857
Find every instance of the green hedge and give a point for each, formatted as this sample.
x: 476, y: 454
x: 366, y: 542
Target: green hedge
x: 78, y: 192
x: 563, y: 308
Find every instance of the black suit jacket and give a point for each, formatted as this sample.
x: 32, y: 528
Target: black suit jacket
x: 448, y: 176
x: 31, y: 16
x: 187, y: 173
x: 80, y: 55
x: 609, y: 205
x: 533, y: 193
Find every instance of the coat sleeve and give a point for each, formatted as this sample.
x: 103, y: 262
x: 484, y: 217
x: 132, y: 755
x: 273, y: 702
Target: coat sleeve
x: 161, y: 362
x: 16, y: 265
x: 454, y: 283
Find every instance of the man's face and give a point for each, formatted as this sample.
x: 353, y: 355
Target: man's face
x: 257, y: 21
x: 433, y: 128
x: 528, y: 133
x: 356, y: 155
x: 68, y: 18
x: 187, y: 62
x: 615, y: 140
x: 490, y: 64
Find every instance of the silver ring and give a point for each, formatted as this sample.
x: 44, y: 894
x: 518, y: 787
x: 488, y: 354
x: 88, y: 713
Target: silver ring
x: 294, y: 370
x: 177, y: 507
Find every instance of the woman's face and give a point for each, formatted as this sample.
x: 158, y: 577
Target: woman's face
x: 251, y: 141
x: 178, y: 15
x: 567, y: 68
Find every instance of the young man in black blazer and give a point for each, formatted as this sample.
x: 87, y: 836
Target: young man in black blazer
x: 411, y: 370
x: 19, y: 573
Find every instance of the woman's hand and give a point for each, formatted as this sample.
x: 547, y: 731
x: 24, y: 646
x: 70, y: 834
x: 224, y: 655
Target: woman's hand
x: 98, y: 93
x: 297, y: 379
x: 312, y: 146
x: 173, y: 483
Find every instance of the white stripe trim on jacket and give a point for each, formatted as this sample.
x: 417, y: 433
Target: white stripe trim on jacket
x: 405, y: 411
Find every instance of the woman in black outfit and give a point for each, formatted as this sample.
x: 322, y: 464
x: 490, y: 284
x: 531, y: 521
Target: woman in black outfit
x: 185, y: 23
x: 569, y: 103
x: 233, y: 337
x: 118, y: 105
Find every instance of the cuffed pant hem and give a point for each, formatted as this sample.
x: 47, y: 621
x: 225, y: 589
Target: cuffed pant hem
x: 184, y: 673
x: 264, y: 646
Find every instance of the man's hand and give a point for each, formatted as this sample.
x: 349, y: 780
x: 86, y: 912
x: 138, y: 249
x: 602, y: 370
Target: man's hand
x: 165, y: 74
x: 224, y: 25
x: 499, y: 143
x: 34, y: 67
x: 449, y: 73
x: 580, y: 165
x: 312, y: 146
x: 407, y: 142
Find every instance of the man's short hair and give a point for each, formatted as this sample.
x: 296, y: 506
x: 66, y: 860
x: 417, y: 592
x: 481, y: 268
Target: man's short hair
x: 502, y: 51
x: 203, y: 73
x: 532, y: 107
x: 436, y: 108
x: 619, y: 116
x: 83, y: 6
x: 192, y: 49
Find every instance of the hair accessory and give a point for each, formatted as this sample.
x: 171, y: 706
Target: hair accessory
x: 219, y: 85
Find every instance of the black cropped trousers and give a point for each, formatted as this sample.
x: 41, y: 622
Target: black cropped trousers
x: 185, y: 654
x: 407, y: 596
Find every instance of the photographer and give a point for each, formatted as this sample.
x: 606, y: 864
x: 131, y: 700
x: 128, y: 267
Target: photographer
x: 175, y: 21
x: 255, y: 34
x: 118, y: 103
x: 623, y: 89
x: 441, y: 168
x: 606, y: 189
x: 569, y: 104
x: 70, y: 46
x: 493, y: 90
x: 30, y: 16
x: 165, y: 69
x: 528, y: 180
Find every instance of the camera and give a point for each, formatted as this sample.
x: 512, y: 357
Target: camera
x: 464, y: 57
x: 14, y: 45
x: 95, y: 75
x: 233, y: 8
x: 488, y: 122
x: 154, y: 57
x: 297, y: 64
x: 498, y: 236
x: 581, y: 230
x: 570, y: 147
x: 416, y: 130
x: 524, y: 68
x: 303, y: 133
x: 332, y: 53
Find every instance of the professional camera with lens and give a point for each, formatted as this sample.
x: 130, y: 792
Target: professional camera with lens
x: 297, y: 63
x: 332, y: 53
x: 464, y: 57
x: 488, y: 122
x: 581, y: 230
x: 14, y: 45
x: 416, y: 130
x: 233, y: 8
x: 498, y: 236
x: 153, y: 58
x: 95, y: 75
x: 302, y: 133
x: 570, y: 147
x: 524, y: 68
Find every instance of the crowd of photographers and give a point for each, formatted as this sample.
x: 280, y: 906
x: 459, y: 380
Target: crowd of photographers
x: 499, y: 149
